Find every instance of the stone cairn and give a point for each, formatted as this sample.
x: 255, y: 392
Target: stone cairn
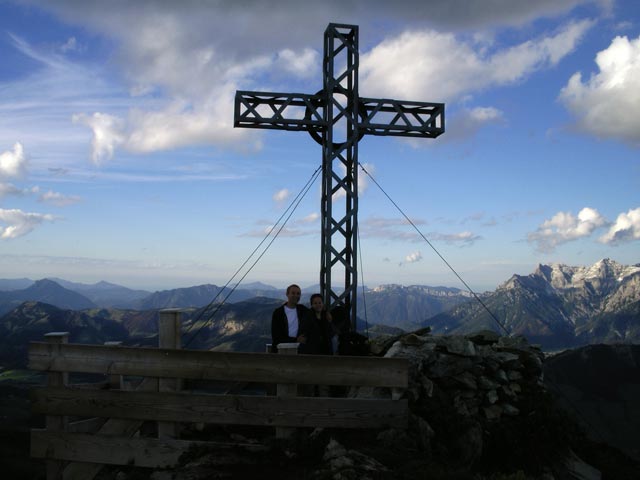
x: 481, y: 375
x: 458, y: 386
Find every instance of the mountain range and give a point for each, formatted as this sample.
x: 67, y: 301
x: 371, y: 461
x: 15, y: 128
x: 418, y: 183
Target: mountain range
x: 557, y: 306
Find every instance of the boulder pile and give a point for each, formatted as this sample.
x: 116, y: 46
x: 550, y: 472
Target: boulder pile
x: 481, y: 376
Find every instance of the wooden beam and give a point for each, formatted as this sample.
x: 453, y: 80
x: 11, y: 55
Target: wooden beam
x: 114, y: 427
x: 169, y: 337
x: 230, y: 366
x: 223, y: 409
x: 56, y: 423
x: 110, y: 450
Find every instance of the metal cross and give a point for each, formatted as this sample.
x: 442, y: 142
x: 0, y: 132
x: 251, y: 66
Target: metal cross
x: 337, y: 118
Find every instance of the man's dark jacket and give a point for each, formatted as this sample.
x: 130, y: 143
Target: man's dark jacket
x: 280, y: 329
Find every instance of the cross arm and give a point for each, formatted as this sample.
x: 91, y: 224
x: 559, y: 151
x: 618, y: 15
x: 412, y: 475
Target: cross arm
x: 279, y: 111
x: 400, y: 118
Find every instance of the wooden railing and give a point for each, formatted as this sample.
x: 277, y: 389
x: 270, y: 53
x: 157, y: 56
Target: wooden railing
x: 111, y: 416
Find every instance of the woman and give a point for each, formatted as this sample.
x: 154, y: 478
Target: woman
x: 324, y: 327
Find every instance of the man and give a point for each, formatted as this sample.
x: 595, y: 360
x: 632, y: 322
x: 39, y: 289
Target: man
x: 290, y: 323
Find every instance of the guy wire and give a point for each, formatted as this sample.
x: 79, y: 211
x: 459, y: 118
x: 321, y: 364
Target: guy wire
x: 292, y: 206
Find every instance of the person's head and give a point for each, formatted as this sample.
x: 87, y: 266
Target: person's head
x: 293, y: 295
x: 317, y: 303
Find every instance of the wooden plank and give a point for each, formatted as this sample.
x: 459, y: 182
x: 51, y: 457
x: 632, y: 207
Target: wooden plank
x: 114, y: 427
x: 231, y: 366
x: 223, y: 409
x: 110, y: 450
x: 99, y: 449
x: 89, y: 425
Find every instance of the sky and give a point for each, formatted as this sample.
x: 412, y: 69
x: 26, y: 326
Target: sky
x: 119, y: 160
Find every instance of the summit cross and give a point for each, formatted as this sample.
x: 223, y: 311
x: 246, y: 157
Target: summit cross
x: 337, y: 118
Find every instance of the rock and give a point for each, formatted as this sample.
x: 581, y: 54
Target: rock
x: 466, y: 380
x: 501, y: 376
x: 505, y: 392
x: 484, y: 337
x: 469, y: 445
x: 580, y: 470
x: 514, y: 375
x: 486, y: 384
x: 413, y: 340
x: 492, y: 396
x: 493, y: 412
x: 343, y: 464
x: 515, y: 341
x: 510, y: 410
x: 161, y: 475
x: 460, y: 346
x: 448, y: 366
x: 424, y: 432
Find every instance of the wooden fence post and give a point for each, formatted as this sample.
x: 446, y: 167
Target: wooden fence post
x: 169, y: 336
x: 116, y: 382
x: 286, y: 390
x: 56, y: 423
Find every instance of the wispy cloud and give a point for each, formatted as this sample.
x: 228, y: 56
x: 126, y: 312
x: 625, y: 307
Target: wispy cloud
x: 58, y: 199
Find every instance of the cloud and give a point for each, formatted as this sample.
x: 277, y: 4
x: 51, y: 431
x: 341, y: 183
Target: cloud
x: 466, y: 123
x: 412, y: 65
x: 413, y: 257
x: 281, y: 196
x: 184, y: 63
x: 71, y: 45
x: 58, y: 199
x: 9, y: 189
x: 626, y: 228
x: 465, y: 238
x: 18, y: 223
x: 311, y: 218
x: 107, y: 134
x: 564, y: 227
x: 305, y: 63
x: 390, y: 228
x: 607, y: 105
x: 13, y: 163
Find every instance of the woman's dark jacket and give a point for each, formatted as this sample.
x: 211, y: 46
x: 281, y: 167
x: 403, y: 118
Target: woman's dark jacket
x: 324, y: 333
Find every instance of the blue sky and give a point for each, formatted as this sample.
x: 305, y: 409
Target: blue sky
x: 119, y: 160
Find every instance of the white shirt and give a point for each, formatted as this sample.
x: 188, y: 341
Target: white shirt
x: 292, y: 319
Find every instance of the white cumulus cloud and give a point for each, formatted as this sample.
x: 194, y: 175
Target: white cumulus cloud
x: 311, y: 218
x: 565, y: 227
x: 281, y: 195
x: 416, y: 64
x: 626, y: 228
x: 16, y: 223
x: 413, y: 257
x: 607, y: 105
x: 13, y: 163
x: 107, y: 134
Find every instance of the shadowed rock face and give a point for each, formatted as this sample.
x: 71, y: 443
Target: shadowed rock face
x: 601, y: 382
